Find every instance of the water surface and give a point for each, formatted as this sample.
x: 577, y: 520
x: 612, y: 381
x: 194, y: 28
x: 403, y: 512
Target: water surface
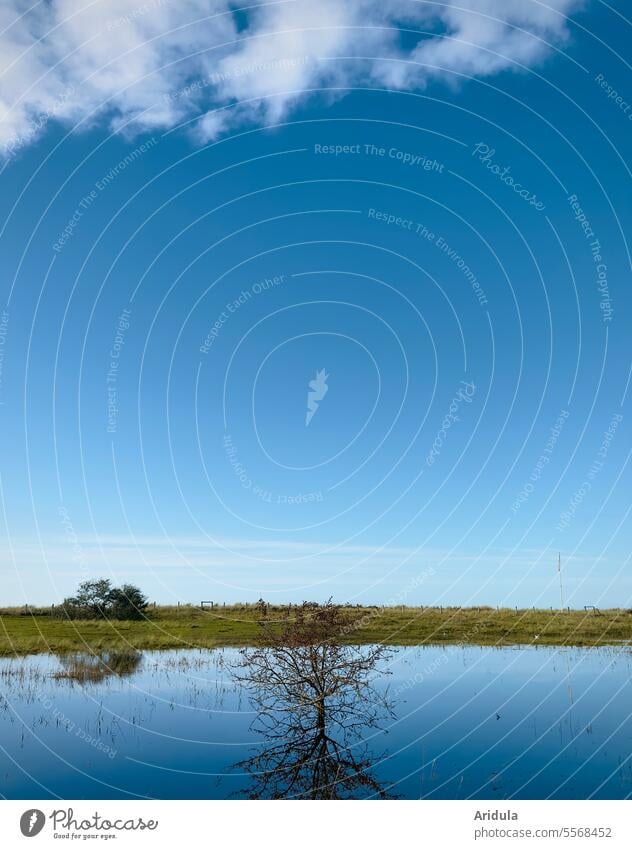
x: 467, y: 723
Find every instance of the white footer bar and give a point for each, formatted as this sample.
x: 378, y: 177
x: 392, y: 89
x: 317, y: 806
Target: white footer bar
x: 306, y: 824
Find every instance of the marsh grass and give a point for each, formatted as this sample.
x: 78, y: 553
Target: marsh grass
x: 34, y: 631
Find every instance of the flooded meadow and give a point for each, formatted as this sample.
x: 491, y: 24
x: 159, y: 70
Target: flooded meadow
x: 449, y: 722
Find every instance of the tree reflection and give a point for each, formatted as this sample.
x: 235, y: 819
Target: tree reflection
x: 94, y: 668
x: 315, y: 700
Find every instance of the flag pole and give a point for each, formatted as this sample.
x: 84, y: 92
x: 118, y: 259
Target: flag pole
x: 559, y: 571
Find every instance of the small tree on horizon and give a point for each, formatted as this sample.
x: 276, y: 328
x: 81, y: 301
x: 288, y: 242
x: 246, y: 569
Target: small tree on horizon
x: 98, y: 599
x: 95, y: 597
x: 128, y: 602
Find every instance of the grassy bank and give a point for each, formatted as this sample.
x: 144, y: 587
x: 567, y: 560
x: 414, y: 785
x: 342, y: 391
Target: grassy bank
x: 35, y: 631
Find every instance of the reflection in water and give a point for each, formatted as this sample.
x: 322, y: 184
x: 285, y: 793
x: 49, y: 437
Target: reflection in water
x: 94, y: 668
x: 472, y: 722
x: 315, y: 701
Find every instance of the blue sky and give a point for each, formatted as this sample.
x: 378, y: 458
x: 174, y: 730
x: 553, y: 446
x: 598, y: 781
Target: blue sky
x: 201, y: 212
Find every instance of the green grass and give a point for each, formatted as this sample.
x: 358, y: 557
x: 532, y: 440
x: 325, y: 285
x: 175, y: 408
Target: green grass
x: 35, y: 631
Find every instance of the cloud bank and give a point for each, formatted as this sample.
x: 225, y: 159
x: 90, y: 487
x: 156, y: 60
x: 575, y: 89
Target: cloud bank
x: 143, y: 65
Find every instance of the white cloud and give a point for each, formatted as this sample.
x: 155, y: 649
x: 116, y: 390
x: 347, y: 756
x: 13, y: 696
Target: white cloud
x: 241, y: 568
x: 148, y: 64
x: 488, y: 36
x: 233, y: 566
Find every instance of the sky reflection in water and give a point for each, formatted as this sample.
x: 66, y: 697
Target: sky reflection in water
x: 468, y: 722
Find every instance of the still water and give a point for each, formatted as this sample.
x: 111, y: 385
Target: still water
x: 464, y: 723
